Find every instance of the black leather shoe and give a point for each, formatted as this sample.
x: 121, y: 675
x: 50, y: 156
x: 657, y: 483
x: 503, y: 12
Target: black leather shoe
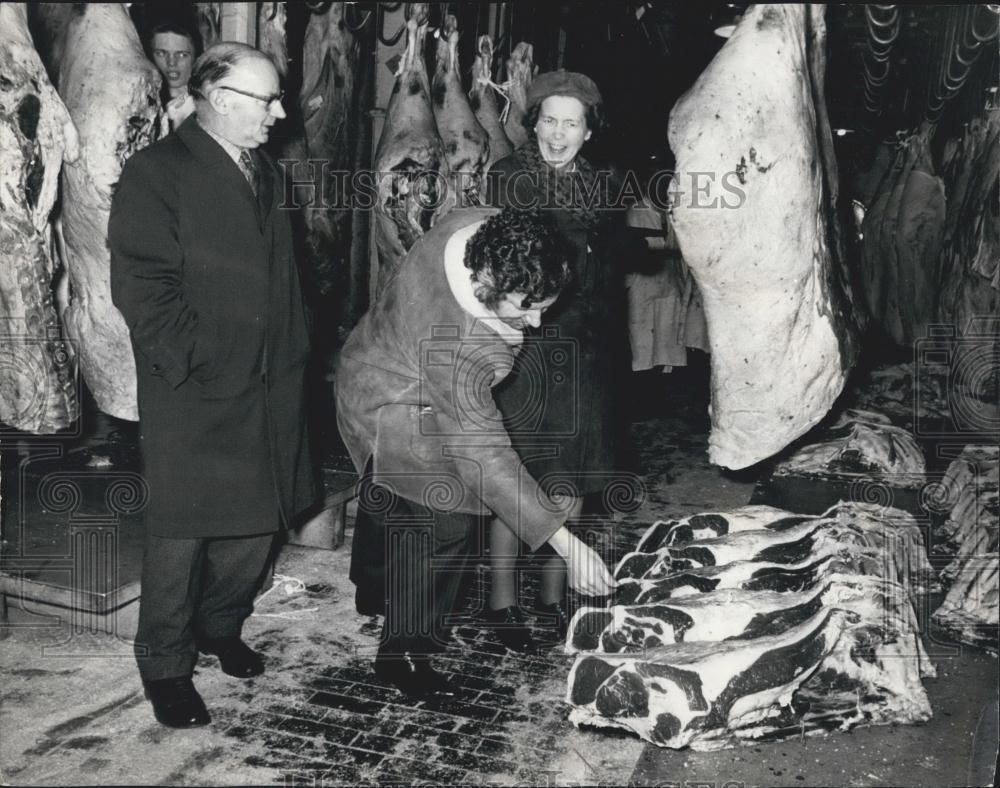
x: 176, y: 703
x: 413, y: 676
x: 553, y: 613
x: 235, y: 657
x: 509, y: 627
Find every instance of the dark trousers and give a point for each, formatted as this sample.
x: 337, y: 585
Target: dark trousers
x: 194, y: 588
x: 413, y: 562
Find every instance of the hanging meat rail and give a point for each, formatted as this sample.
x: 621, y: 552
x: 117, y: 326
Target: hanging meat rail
x: 882, y: 30
x: 968, y: 28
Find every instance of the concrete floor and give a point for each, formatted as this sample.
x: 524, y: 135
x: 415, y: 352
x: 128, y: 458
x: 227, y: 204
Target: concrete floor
x: 72, y: 710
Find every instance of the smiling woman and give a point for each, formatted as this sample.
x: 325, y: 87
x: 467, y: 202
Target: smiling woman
x: 577, y: 442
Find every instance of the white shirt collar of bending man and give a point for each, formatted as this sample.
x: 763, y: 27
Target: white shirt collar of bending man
x: 460, y: 282
x: 234, y: 151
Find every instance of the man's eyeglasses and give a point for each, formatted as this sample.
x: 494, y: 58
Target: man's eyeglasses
x: 268, y: 100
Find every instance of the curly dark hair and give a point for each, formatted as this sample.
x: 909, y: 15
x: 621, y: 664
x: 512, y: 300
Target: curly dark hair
x: 594, y: 117
x: 518, y: 251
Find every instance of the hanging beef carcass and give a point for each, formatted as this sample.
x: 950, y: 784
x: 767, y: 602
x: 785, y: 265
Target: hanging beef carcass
x: 971, y: 251
x: 466, y: 143
x: 325, y: 102
x: 520, y: 71
x: 271, y: 20
x: 112, y: 94
x: 755, y: 184
x: 37, y: 392
x: 903, y: 230
x: 410, y: 161
x: 484, y: 103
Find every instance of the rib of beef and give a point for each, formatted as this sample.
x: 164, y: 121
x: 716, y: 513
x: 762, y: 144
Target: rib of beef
x: 808, y: 626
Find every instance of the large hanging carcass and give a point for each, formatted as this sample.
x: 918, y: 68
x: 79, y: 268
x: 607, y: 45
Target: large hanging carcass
x: 112, y: 93
x: 325, y: 98
x: 410, y: 161
x: 466, y: 143
x: 484, y: 103
x: 903, y: 231
x: 37, y: 392
x: 753, y: 210
x: 520, y: 71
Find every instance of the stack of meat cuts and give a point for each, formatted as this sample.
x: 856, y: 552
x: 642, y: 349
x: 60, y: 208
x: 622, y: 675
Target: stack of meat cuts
x: 758, y: 623
x: 860, y: 443
x: 971, y: 610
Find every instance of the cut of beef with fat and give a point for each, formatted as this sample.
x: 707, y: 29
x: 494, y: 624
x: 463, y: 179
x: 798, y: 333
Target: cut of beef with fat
x: 848, y: 530
x: 797, y: 626
x: 708, y: 525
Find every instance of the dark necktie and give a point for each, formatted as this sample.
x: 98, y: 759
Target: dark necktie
x: 248, y: 166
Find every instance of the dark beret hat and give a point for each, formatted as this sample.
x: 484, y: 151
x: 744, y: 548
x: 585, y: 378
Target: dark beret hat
x: 563, y: 83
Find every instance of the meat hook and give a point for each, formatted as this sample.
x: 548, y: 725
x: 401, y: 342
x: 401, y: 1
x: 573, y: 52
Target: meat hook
x: 380, y: 24
x: 992, y: 32
x: 349, y: 12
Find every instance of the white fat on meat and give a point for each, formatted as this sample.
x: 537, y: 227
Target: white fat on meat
x: 37, y: 389
x: 713, y: 655
x: 112, y: 93
x: 861, y: 442
x: 845, y: 529
x: 971, y: 607
x: 691, y: 694
x: 754, y: 233
x: 707, y: 525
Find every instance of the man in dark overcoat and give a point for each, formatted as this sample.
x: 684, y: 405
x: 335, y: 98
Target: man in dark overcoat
x: 203, y: 271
